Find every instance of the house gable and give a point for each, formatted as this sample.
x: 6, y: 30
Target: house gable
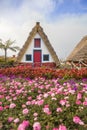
x: 30, y: 50
x: 37, y: 33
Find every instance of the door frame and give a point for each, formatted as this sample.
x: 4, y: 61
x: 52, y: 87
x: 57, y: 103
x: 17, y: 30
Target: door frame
x: 40, y: 52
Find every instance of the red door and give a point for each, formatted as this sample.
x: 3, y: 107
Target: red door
x: 37, y: 58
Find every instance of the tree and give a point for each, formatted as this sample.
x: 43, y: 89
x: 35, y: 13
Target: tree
x: 8, y: 45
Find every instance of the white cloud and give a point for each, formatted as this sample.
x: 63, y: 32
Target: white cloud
x: 64, y: 33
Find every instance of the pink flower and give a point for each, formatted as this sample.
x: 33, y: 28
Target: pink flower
x: 47, y: 111
x: 77, y: 120
x: 67, y: 105
x: 25, y: 111
x: 35, y: 118
x: 45, y: 95
x: 40, y: 102
x: 15, y: 98
x: 46, y: 106
x: 10, y: 119
x: 23, y: 125
x: 78, y: 102
x: 1, y: 96
x: 0, y: 103
x: 79, y: 96
x: 52, y: 94
x: 6, y: 107
x: 53, y: 98
x: 7, y: 97
x: 16, y: 120
x: 63, y: 102
x: 33, y: 102
x: 62, y: 127
x: 12, y: 105
x: 85, y: 103
x: 1, y: 108
x: 30, y: 98
x: 28, y: 103
x: 36, y: 126
x: 85, y: 99
x: 59, y: 109
x: 23, y: 105
x: 35, y: 114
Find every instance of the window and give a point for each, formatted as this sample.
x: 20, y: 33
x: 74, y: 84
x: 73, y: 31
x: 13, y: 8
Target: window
x: 37, y: 42
x: 46, y: 57
x: 28, y: 57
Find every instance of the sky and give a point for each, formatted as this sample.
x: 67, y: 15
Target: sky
x: 63, y: 21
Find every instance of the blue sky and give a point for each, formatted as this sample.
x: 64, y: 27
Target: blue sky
x: 64, y: 22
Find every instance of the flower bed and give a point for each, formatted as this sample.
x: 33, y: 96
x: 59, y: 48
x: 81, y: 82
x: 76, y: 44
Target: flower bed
x: 48, y: 73
x: 42, y: 104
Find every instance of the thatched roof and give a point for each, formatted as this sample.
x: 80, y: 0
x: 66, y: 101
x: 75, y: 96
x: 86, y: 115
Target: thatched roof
x: 79, y: 52
x: 38, y: 29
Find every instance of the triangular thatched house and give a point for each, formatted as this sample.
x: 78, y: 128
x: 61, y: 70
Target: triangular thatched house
x: 37, y: 49
x: 80, y: 52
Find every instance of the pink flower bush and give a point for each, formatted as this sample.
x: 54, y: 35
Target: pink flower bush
x: 42, y: 103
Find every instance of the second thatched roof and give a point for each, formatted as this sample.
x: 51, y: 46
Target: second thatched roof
x: 79, y: 52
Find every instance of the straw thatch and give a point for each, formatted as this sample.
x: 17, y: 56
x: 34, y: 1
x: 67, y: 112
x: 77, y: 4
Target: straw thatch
x: 38, y: 29
x: 80, y: 51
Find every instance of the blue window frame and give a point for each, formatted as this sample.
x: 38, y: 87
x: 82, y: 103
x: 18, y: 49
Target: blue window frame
x: 28, y: 57
x: 45, y: 57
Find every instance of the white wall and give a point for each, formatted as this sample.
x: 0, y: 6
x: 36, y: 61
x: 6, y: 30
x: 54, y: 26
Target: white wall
x: 43, y: 48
